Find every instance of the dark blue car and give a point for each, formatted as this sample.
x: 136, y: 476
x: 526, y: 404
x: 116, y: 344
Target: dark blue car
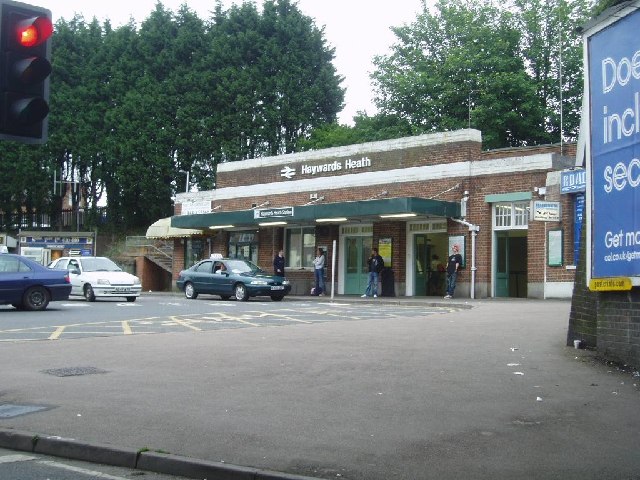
x: 27, y: 285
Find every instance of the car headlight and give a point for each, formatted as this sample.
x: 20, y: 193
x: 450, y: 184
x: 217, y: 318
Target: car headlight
x: 103, y: 281
x: 136, y: 281
x: 285, y: 282
x: 259, y: 282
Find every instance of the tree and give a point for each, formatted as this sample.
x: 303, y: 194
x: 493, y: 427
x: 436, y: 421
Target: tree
x: 133, y: 110
x: 476, y: 65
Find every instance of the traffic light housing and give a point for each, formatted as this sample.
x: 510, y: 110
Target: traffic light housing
x: 25, y: 67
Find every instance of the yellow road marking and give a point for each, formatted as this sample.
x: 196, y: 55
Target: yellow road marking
x: 185, y: 324
x: 126, y: 328
x: 56, y: 335
x: 286, y: 317
x: 230, y: 318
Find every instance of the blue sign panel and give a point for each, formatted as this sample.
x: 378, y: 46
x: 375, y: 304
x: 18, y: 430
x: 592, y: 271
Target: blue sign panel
x: 578, y: 220
x: 614, y: 75
x: 573, y: 181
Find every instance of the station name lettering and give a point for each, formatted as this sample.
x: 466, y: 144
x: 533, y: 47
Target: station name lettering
x: 336, y: 166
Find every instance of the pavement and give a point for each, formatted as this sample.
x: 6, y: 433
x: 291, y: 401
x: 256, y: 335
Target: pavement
x: 485, y: 389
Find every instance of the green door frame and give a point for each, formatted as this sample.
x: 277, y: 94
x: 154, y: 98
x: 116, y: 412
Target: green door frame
x: 422, y: 254
x: 356, y: 274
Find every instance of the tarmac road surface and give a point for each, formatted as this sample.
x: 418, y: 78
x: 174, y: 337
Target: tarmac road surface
x: 488, y: 392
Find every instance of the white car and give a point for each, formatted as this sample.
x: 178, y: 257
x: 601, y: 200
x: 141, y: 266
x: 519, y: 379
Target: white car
x: 96, y: 277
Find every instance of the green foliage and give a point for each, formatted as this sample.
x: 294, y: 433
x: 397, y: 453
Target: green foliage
x: 365, y: 129
x: 495, y: 68
x: 133, y: 109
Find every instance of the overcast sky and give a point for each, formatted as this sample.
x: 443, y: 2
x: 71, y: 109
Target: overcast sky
x: 358, y: 29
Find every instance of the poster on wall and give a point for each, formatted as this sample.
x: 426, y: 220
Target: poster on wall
x: 614, y: 165
x: 554, y: 248
x: 460, y: 241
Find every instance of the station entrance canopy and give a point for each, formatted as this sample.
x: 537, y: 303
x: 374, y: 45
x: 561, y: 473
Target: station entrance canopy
x: 364, y: 210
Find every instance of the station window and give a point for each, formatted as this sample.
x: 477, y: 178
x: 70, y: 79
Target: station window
x: 511, y: 215
x: 300, y: 247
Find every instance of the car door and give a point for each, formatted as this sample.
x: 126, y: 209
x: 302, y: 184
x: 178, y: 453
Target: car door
x: 13, y: 279
x: 202, y: 277
x: 221, y: 281
x: 74, y: 268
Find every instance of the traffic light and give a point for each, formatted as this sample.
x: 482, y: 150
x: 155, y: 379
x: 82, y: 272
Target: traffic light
x: 25, y: 66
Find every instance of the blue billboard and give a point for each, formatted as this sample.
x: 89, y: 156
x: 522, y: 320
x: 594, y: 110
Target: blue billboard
x: 614, y: 78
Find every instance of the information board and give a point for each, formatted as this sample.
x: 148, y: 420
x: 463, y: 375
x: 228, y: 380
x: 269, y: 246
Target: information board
x: 614, y: 90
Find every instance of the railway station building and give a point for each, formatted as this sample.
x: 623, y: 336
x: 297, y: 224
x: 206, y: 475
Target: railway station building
x: 515, y: 213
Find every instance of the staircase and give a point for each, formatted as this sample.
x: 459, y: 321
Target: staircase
x: 157, y: 251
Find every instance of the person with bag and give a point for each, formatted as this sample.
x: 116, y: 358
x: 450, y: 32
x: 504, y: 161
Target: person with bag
x: 376, y: 264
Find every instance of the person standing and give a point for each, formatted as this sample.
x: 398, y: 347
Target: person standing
x: 375, y: 263
x: 453, y: 265
x: 318, y: 264
x: 278, y: 264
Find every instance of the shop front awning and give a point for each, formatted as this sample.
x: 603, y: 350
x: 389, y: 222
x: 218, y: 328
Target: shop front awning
x: 406, y: 208
x: 162, y: 229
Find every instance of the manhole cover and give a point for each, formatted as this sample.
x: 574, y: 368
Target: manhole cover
x: 73, y: 371
x: 10, y: 411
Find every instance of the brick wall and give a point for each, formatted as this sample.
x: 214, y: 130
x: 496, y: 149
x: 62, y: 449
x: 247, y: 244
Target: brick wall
x: 153, y: 277
x: 583, y: 319
x: 618, y: 332
x: 386, y: 159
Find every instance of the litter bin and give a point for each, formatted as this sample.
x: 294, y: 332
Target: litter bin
x: 388, y: 283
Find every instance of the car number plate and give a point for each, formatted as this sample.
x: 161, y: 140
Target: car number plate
x: 277, y: 287
x: 122, y: 289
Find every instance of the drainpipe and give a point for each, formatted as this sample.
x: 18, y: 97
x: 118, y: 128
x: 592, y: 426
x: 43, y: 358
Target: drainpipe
x: 474, y: 229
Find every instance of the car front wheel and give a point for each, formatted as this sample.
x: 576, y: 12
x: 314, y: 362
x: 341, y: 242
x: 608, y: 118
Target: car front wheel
x: 89, y: 294
x: 241, y: 292
x: 36, y: 298
x: 190, y: 291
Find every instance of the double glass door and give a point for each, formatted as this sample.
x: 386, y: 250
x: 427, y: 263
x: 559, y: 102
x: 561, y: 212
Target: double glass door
x: 357, y: 252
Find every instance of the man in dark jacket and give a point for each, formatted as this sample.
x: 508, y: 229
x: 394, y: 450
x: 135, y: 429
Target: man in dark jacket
x: 278, y: 264
x: 376, y: 263
x: 453, y: 265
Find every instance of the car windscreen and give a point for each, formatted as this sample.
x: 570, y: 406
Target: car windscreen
x: 242, y: 266
x: 99, y: 265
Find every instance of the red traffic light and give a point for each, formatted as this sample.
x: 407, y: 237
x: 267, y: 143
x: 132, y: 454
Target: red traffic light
x: 33, y: 31
x: 25, y: 68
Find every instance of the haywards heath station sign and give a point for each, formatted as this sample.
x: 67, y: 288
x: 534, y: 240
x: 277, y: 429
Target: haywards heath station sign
x: 266, y: 213
x: 613, y: 63
x: 335, y: 166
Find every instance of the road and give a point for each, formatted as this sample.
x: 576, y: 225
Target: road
x: 405, y: 391
x: 172, y: 314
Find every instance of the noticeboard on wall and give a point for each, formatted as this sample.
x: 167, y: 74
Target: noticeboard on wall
x: 554, y: 248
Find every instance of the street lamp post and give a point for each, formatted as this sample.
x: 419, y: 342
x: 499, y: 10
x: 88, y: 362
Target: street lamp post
x: 186, y: 188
